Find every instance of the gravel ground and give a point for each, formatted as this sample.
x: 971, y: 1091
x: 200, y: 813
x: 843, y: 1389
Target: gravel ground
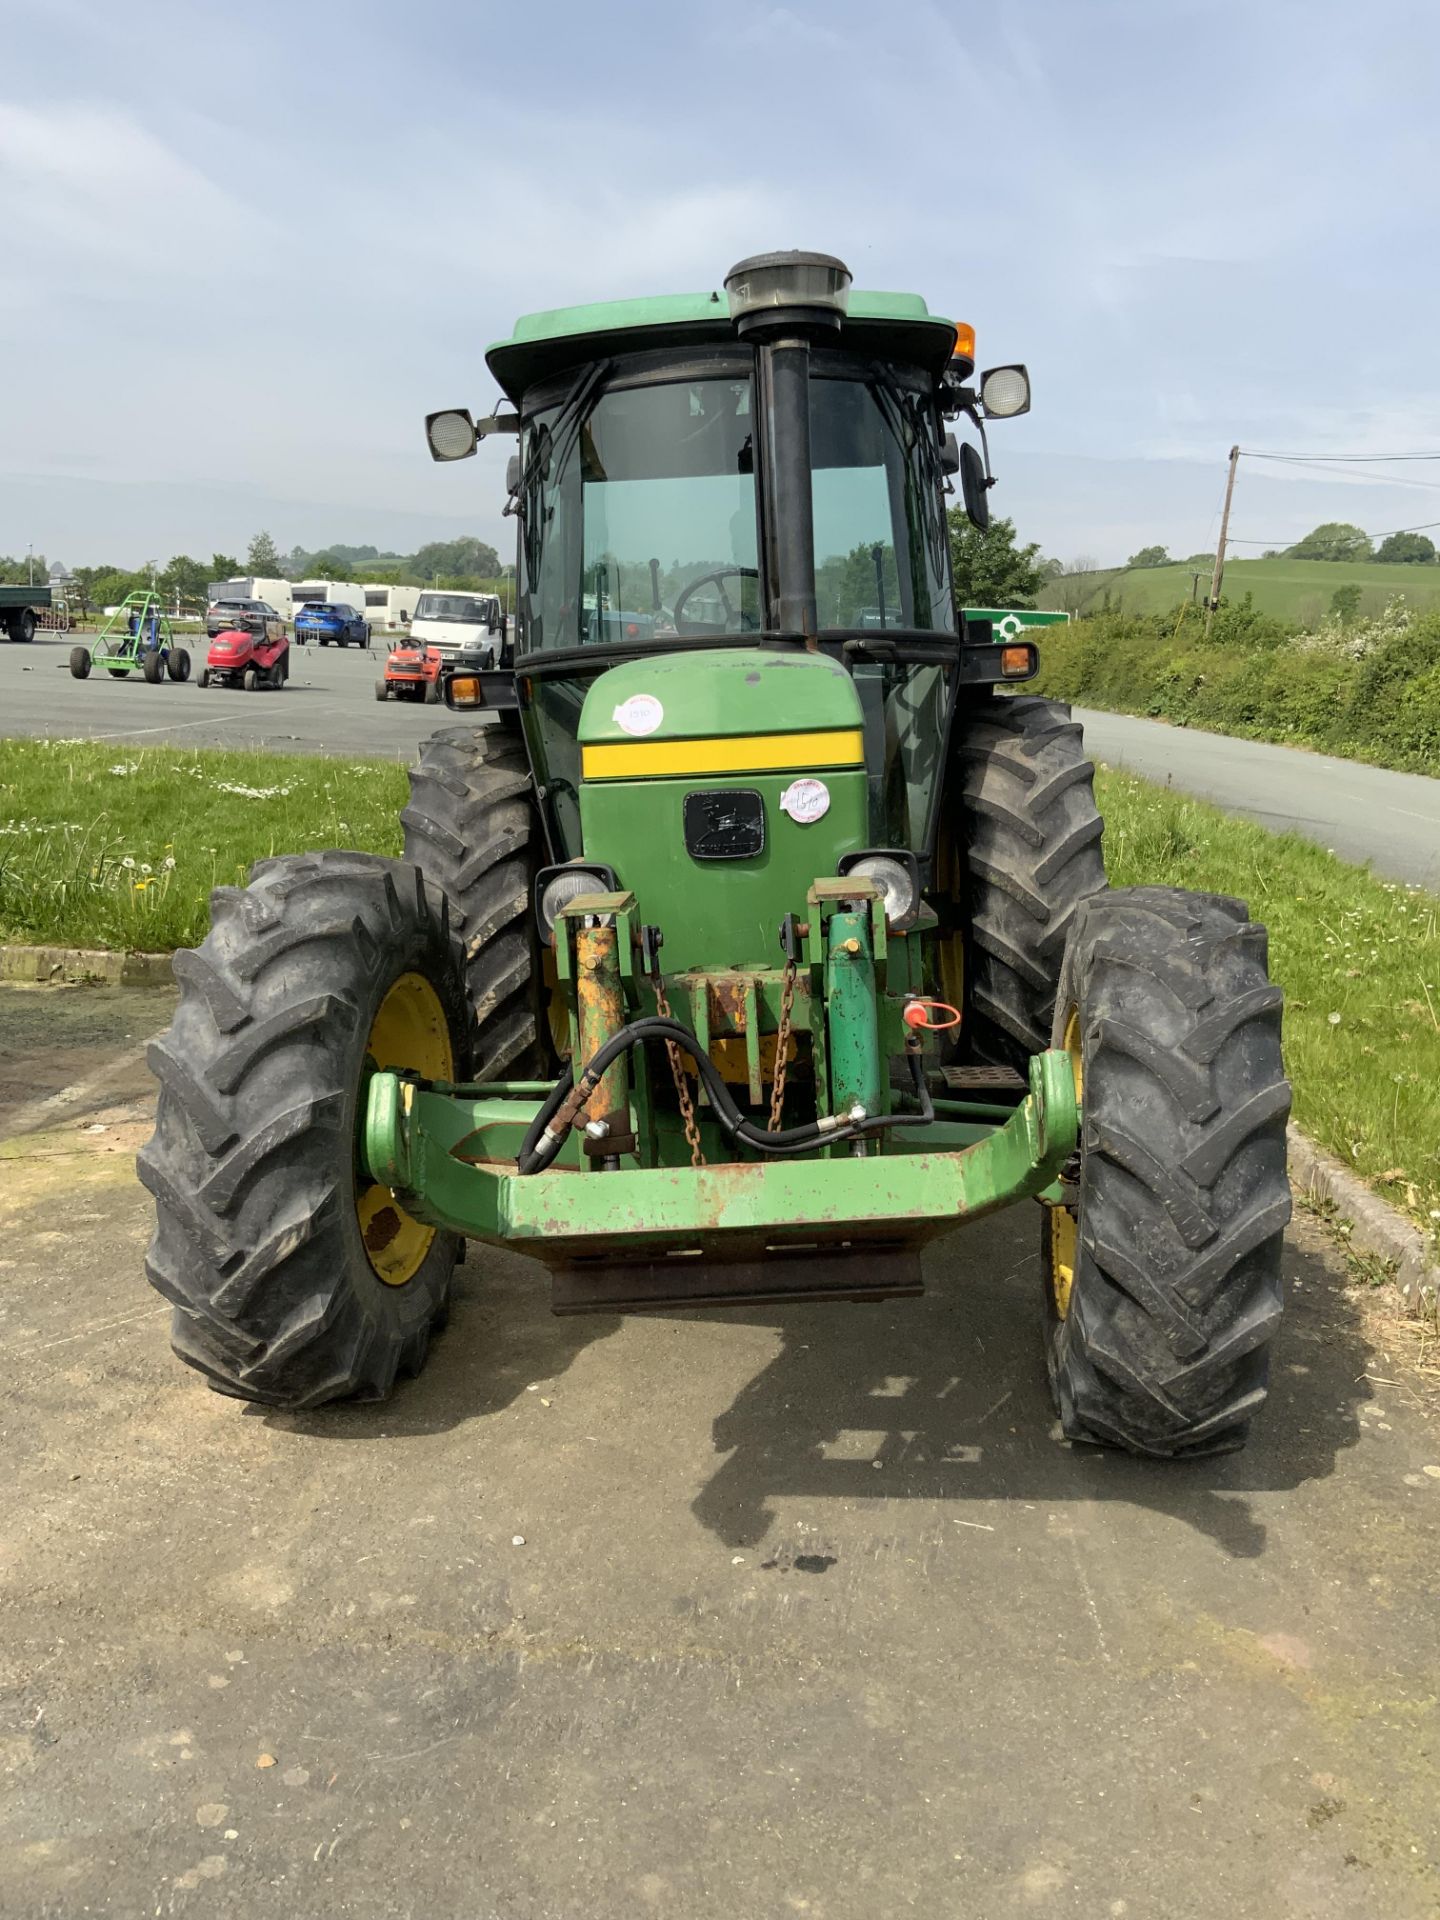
x: 765, y: 1612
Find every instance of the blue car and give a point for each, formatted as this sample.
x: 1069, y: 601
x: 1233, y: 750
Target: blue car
x: 326, y: 620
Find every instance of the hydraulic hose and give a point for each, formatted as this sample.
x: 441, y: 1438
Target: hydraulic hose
x: 548, y: 1130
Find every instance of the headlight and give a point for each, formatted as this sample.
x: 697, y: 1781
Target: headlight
x: 898, y: 879
x: 555, y: 887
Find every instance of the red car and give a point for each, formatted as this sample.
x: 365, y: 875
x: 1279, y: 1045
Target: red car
x: 249, y: 660
x: 411, y: 673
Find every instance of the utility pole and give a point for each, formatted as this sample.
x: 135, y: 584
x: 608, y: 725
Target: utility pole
x: 1219, y: 574
x: 30, y: 564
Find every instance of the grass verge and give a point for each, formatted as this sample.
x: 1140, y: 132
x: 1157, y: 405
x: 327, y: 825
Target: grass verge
x: 119, y: 847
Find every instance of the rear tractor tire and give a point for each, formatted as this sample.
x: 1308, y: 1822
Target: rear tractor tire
x: 294, y: 1279
x: 1163, y: 1272
x: 471, y: 826
x: 1028, y: 848
x: 153, y: 667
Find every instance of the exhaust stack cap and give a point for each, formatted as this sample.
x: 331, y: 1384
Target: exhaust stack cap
x: 782, y: 290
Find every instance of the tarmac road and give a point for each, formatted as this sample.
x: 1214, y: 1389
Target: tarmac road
x: 329, y: 705
x: 812, y: 1615
x: 1362, y: 813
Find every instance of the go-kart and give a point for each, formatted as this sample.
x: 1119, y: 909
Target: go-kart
x: 135, y: 639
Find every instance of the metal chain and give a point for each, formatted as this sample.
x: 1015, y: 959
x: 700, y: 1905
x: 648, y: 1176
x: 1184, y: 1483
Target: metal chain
x: 782, y: 1047
x: 680, y: 1077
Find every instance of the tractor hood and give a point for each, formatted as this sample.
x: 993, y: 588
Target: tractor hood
x: 718, y: 784
x: 769, y: 706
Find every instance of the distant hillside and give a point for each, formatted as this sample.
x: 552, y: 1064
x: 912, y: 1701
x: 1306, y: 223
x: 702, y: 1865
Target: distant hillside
x: 1298, y: 590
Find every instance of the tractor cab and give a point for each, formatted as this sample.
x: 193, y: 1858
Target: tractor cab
x: 746, y: 493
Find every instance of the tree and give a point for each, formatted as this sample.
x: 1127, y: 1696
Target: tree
x: 1150, y: 557
x: 990, y: 570
x: 224, y: 566
x: 1400, y: 547
x: 466, y: 556
x: 262, y: 557
x: 185, y: 578
x: 1334, y: 540
x: 1345, y: 603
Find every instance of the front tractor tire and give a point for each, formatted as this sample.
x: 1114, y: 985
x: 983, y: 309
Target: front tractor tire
x: 1163, y: 1273
x: 1029, y: 852
x: 296, y: 1280
x: 471, y: 826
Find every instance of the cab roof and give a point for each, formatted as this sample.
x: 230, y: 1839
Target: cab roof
x: 891, y: 325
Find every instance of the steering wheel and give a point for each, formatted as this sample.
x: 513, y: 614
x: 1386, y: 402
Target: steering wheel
x: 737, y: 620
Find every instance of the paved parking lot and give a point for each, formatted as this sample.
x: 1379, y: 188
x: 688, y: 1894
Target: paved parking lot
x: 794, y: 1611
x: 329, y: 705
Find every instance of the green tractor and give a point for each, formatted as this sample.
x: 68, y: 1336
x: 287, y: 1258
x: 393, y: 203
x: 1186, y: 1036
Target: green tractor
x: 753, y: 931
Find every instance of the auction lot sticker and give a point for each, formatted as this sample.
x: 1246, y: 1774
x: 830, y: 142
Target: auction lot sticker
x: 640, y: 714
x: 805, y: 801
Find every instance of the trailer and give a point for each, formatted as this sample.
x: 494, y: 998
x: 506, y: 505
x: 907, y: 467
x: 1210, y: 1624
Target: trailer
x: 390, y: 609
x: 18, y: 607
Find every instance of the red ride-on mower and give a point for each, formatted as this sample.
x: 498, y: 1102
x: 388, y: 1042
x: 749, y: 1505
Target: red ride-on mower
x: 248, y: 660
x: 411, y: 673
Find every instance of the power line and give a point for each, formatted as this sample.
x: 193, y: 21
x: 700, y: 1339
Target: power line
x: 1326, y: 466
x: 1422, y: 527
x: 1254, y: 453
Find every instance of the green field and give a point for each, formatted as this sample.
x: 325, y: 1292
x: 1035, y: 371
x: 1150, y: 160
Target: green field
x: 1298, y: 590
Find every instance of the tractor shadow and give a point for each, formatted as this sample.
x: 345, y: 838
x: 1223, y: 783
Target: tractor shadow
x: 945, y: 1399
x: 500, y: 1337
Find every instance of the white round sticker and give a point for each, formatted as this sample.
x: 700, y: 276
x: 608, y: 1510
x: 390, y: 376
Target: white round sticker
x: 641, y: 713
x: 805, y: 800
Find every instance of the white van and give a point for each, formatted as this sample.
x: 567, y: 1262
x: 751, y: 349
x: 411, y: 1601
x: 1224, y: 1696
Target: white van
x: 449, y: 621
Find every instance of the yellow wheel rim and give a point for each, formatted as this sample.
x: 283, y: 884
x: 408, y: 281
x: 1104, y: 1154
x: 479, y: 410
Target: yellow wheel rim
x: 408, y: 1034
x: 1063, y: 1232
x: 1071, y: 1044
x: 1062, y: 1258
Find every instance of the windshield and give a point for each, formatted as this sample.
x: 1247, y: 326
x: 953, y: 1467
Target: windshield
x: 642, y: 525
x: 461, y: 608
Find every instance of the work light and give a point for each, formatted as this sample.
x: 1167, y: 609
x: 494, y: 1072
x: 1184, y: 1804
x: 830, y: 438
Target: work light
x: 788, y: 289
x: 451, y: 434
x: 1004, y: 392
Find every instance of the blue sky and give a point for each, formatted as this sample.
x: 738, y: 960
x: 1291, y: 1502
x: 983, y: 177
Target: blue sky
x: 244, y: 249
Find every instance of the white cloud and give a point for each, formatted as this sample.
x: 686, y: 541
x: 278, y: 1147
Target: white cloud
x: 96, y: 199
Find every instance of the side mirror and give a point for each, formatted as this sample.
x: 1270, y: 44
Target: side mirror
x: 1005, y: 392
x: 512, y: 475
x: 451, y: 434
x: 949, y: 455
x: 974, y: 488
